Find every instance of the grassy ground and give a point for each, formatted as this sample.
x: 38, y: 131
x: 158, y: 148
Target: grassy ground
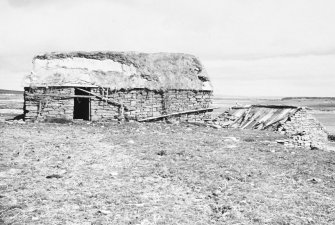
x: 157, y: 173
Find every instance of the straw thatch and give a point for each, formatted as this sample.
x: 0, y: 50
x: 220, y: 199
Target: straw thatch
x: 119, y: 70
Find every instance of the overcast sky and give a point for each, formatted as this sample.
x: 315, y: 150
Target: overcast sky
x: 249, y: 48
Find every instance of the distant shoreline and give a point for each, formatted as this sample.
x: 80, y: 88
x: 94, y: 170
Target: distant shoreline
x: 4, y: 91
x: 308, y: 98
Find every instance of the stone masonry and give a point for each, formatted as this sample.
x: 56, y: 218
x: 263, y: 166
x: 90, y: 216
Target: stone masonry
x: 304, y: 131
x: 41, y: 107
x: 58, y: 102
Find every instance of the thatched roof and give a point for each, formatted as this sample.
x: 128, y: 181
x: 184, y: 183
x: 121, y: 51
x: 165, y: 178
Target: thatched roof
x: 119, y: 70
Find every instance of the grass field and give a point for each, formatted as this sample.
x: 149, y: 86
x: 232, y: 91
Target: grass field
x: 157, y: 173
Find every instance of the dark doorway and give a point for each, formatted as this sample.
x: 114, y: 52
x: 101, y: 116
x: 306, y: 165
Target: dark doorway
x: 81, y: 105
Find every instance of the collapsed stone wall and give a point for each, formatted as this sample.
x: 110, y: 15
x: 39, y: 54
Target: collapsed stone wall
x: 43, y: 103
x: 301, y: 128
x: 304, y: 131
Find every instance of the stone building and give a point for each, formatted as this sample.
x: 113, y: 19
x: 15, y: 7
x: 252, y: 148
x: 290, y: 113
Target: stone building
x: 296, y: 123
x: 102, y: 86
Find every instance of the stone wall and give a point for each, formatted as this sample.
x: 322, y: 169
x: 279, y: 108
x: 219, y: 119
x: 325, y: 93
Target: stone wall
x: 42, y: 106
x: 178, y: 101
x: 42, y: 103
x: 138, y: 103
x: 142, y: 103
x: 304, y: 131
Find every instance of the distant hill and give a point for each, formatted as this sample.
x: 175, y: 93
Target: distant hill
x: 3, y: 91
x: 308, y: 98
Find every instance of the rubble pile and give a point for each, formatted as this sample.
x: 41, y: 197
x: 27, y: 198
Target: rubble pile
x: 301, y: 128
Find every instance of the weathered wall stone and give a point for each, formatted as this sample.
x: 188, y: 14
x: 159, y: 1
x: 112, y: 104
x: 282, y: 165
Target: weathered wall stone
x: 41, y: 106
x: 304, y: 131
x: 140, y: 103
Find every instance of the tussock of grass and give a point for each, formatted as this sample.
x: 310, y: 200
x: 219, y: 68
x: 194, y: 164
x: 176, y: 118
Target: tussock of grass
x: 331, y: 137
x: 57, y: 120
x: 249, y: 140
x: 159, y: 174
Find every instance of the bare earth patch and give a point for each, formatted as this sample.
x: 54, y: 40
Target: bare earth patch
x: 159, y: 173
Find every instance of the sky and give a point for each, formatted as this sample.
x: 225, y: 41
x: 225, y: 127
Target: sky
x: 249, y: 48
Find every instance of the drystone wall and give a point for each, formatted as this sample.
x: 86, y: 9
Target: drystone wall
x: 304, y: 131
x: 143, y: 103
x: 38, y: 105
x: 43, y: 103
